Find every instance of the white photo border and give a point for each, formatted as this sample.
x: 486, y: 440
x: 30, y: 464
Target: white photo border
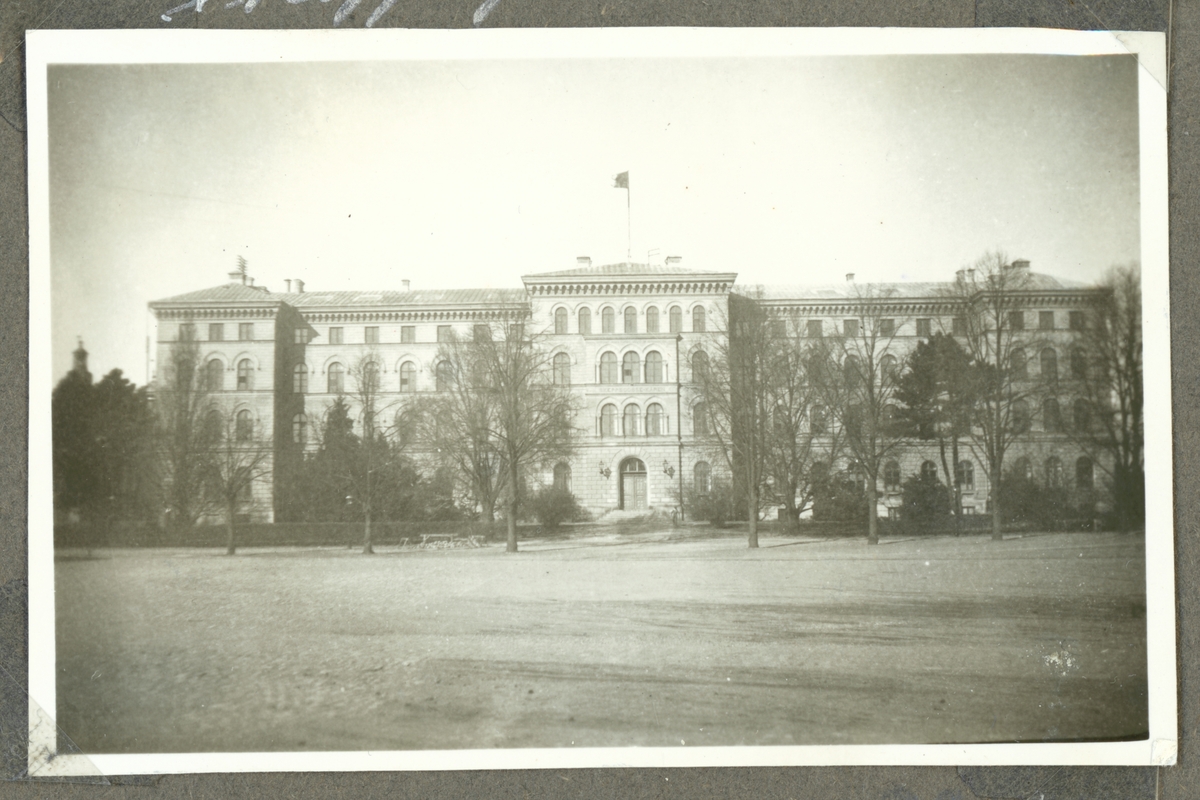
x: 200, y: 47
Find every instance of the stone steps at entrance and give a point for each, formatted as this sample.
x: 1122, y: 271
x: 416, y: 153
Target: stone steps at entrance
x: 618, y: 517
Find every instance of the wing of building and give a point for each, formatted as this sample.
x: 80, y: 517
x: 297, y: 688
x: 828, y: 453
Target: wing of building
x: 624, y: 336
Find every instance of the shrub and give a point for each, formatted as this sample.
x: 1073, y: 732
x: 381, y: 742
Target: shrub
x: 715, y: 507
x: 552, y: 507
x: 839, y: 499
x: 926, y: 499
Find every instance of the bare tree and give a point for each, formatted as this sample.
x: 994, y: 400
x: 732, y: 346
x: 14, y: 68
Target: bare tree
x: 1107, y: 370
x: 987, y: 298
x: 731, y: 376
x: 797, y: 443
x: 238, y: 456
x: 184, y: 435
x: 861, y: 393
x: 458, y: 425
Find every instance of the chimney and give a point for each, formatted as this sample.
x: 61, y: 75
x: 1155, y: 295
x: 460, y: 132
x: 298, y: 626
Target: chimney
x: 237, y: 276
x: 299, y: 285
x: 584, y: 261
x: 673, y: 260
x: 849, y: 277
x: 1021, y: 263
x: 406, y: 284
x: 960, y: 275
x: 288, y: 281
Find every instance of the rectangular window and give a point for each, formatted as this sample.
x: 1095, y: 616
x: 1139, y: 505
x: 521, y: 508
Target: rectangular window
x: 408, y: 334
x: 958, y: 326
x: 246, y: 331
x: 1076, y: 321
x: 216, y: 331
x: 850, y: 328
x: 1016, y: 320
x: 444, y: 333
x: 300, y: 336
x: 815, y: 328
x: 187, y: 331
x: 335, y: 335
x: 924, y: 327
x: 481, y: 333
x: 1045, y: 320
x: 371, y: 335
x: 887, y: 327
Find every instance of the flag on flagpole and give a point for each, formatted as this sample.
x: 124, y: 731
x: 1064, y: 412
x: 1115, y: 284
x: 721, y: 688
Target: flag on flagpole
x: 621, y: 181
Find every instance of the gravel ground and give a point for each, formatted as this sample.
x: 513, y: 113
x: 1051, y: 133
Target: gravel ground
x: 655, y: 639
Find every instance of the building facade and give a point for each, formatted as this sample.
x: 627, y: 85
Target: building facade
x: 626, y: 337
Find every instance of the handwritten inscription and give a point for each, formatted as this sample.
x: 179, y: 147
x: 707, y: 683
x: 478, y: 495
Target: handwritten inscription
x: 343, y: 12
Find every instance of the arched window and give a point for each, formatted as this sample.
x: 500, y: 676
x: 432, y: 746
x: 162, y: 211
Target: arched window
x: 703, y: 478
x: 1051, y: 416
x: 631, y: 320
x: 560, y: 320
x: 675, y: 316
x: 889, y: 415
x: 1082, y: 415
x: 243, y: 426
x: 562, y: 476
x: 562, y: 369
x: 1054, y: 473
x: 1049, y: 364
x: 1019, y: 364
x: 629, y: 425
x: 300, y: 429
x: 1023, y: 469
x: 214, y: 427
x: 819, y: 420
x: 585, y: 320
x: 700, y: 419
x: 1078, y: 363
x: 698, y: 319
x: 929, y: 471
x: 891, y: 369
x: 655, y: 420
x: 964, y: 476
x: 299, y: 379
x: 608, y: 368
x: 368, y: 382
x: 654, y: 367
x: 891, y: 476
x: 244, y: 374
x: 631, y: 368
x: 408, y: 377
x: 336, y: 379
x: 699, y: 366
x: 607, y: 320
x: 652, y: 320
x: 1020, y: 417
x: 214, y: 375
x: 444, y: 375
x: 1083, y: 473
x: 852, y: 372
x: 608, y: 420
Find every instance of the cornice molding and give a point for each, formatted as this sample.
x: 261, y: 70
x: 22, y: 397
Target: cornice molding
x: 193, y: 313
x: 628, y: 288
x: 429, y: 315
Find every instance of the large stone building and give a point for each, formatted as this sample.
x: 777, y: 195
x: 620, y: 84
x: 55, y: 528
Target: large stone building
x: 623, y: 335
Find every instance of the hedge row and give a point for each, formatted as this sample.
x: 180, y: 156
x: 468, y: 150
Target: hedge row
x: 262, y: 534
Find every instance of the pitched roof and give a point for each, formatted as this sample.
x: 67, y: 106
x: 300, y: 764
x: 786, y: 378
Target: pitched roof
x: 237, y: 293
x: 621, y: 268
x: 228, y: 293
x: 1038, y: 282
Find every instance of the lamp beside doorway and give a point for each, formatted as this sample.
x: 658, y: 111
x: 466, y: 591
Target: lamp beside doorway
x: 605, y: 471
x: 668, y: 470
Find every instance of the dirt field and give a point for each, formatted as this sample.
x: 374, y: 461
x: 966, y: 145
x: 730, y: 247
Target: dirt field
x: 610, y: 641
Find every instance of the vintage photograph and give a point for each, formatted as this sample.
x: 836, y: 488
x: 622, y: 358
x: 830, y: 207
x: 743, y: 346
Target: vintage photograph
x: 614, y: 397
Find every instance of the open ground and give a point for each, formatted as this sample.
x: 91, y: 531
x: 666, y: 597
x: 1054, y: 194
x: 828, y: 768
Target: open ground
x: 675, y: 638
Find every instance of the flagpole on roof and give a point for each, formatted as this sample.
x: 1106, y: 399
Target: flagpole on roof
x: 622, y: 182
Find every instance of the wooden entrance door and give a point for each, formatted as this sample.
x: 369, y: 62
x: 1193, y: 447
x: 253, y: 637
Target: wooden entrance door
x: 633, y: 485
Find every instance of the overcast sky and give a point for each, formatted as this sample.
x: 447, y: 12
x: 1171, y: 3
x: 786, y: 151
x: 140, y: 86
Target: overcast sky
x: 460, y: 174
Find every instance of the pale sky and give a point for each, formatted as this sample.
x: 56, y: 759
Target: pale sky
x: 462, y: 174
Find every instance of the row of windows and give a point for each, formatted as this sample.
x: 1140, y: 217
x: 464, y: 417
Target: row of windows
x: 216, y: 331
x: 608, y: 320
x: 1047, y: 321
x: 631, y: 422
x: 964, y: 473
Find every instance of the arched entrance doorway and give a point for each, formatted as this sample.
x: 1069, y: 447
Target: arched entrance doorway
x: 633, y: 485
